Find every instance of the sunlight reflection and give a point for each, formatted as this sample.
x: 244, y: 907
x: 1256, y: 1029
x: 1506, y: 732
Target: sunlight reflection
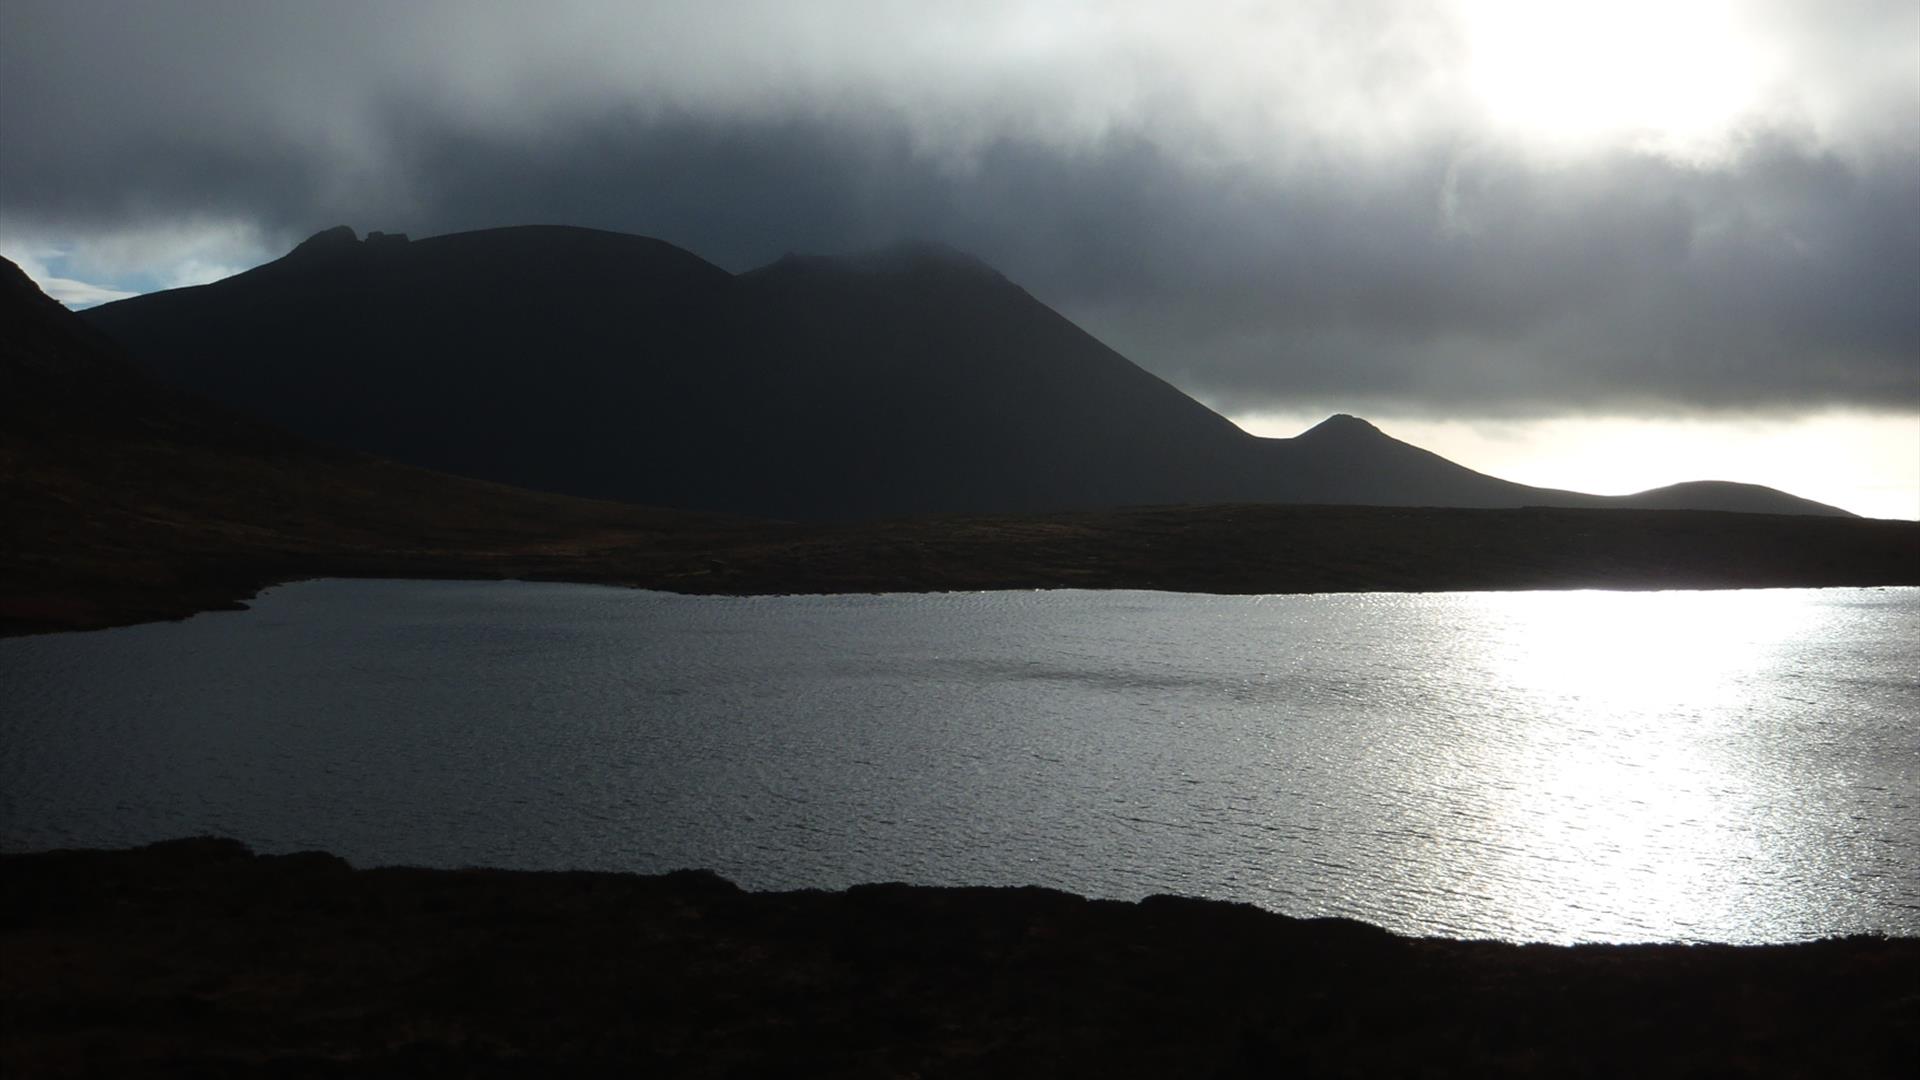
x: 1630, y: 783
x: 1611, y: 650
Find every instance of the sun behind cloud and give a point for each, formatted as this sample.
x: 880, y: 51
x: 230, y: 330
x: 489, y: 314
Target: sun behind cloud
x: 1674, y: 78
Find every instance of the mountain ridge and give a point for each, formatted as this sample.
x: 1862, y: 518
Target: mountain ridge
x: 914, y: 379
x: 127, y: 501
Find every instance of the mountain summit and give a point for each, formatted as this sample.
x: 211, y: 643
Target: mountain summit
x: 1340, y: 429
x: 914, y: 379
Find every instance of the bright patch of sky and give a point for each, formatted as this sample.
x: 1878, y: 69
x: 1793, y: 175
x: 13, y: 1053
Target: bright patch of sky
x: 97, y: 268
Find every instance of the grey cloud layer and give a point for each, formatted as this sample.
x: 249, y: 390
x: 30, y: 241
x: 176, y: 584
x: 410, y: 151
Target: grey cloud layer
x: 1439, y: 268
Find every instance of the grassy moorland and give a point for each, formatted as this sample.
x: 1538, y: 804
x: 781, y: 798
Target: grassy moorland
x: 198, y: 958
x: 80, y: 551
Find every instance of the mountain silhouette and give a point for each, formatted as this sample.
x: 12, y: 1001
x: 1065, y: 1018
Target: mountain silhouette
x: 910, y: 380
x: 126, y: 500
x: 64, y: 384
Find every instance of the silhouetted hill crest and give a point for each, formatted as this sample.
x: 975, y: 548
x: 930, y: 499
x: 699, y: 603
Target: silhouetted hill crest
x: 338, y: 238
x: 1723, y: 495
x: 53, y: 364
x: 912, y: 379
x: 1342, y: 428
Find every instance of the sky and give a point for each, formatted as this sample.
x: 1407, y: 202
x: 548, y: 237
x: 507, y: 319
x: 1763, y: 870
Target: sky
x: 1603, y: 246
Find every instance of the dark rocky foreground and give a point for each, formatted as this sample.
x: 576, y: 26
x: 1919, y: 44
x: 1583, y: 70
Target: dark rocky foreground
x: 197, y: 958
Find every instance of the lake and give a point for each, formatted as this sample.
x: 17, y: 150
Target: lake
x: 1576, y: 766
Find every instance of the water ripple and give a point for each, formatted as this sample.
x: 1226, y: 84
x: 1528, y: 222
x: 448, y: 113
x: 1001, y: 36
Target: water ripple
x: 1739, y: 766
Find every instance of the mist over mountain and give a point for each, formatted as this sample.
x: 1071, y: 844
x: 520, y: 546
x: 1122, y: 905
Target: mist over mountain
x: 910, y: 380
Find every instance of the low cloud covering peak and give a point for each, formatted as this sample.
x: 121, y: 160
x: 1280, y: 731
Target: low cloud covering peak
x: 1514, y: 209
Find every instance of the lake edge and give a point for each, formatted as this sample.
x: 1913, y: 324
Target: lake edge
x: 1223, y: 550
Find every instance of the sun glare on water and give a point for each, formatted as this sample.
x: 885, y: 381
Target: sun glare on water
x: 1633, y: 784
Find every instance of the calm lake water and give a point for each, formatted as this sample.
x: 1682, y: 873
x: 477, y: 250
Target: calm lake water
x: 1735, y: 766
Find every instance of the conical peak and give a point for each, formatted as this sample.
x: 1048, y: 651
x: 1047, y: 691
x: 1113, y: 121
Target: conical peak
x: 1341, y: 425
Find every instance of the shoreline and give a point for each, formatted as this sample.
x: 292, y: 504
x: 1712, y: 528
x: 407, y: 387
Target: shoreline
x: 244, y: 603
x: 198, y: 955
x: 170, y: 570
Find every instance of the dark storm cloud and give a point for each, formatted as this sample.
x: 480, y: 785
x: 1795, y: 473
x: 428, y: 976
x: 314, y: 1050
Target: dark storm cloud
x: 1438, y: 269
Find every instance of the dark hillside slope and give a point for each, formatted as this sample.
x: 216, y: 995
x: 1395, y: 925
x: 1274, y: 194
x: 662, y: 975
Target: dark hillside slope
x: 906, y: 381
x: 612, y: 366
x: 918, y: 380
x: 515, y: 356
x: 124, y: 501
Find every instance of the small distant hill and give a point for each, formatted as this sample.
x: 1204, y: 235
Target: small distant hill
x: 906, y: 381
x: 1723, y: 495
